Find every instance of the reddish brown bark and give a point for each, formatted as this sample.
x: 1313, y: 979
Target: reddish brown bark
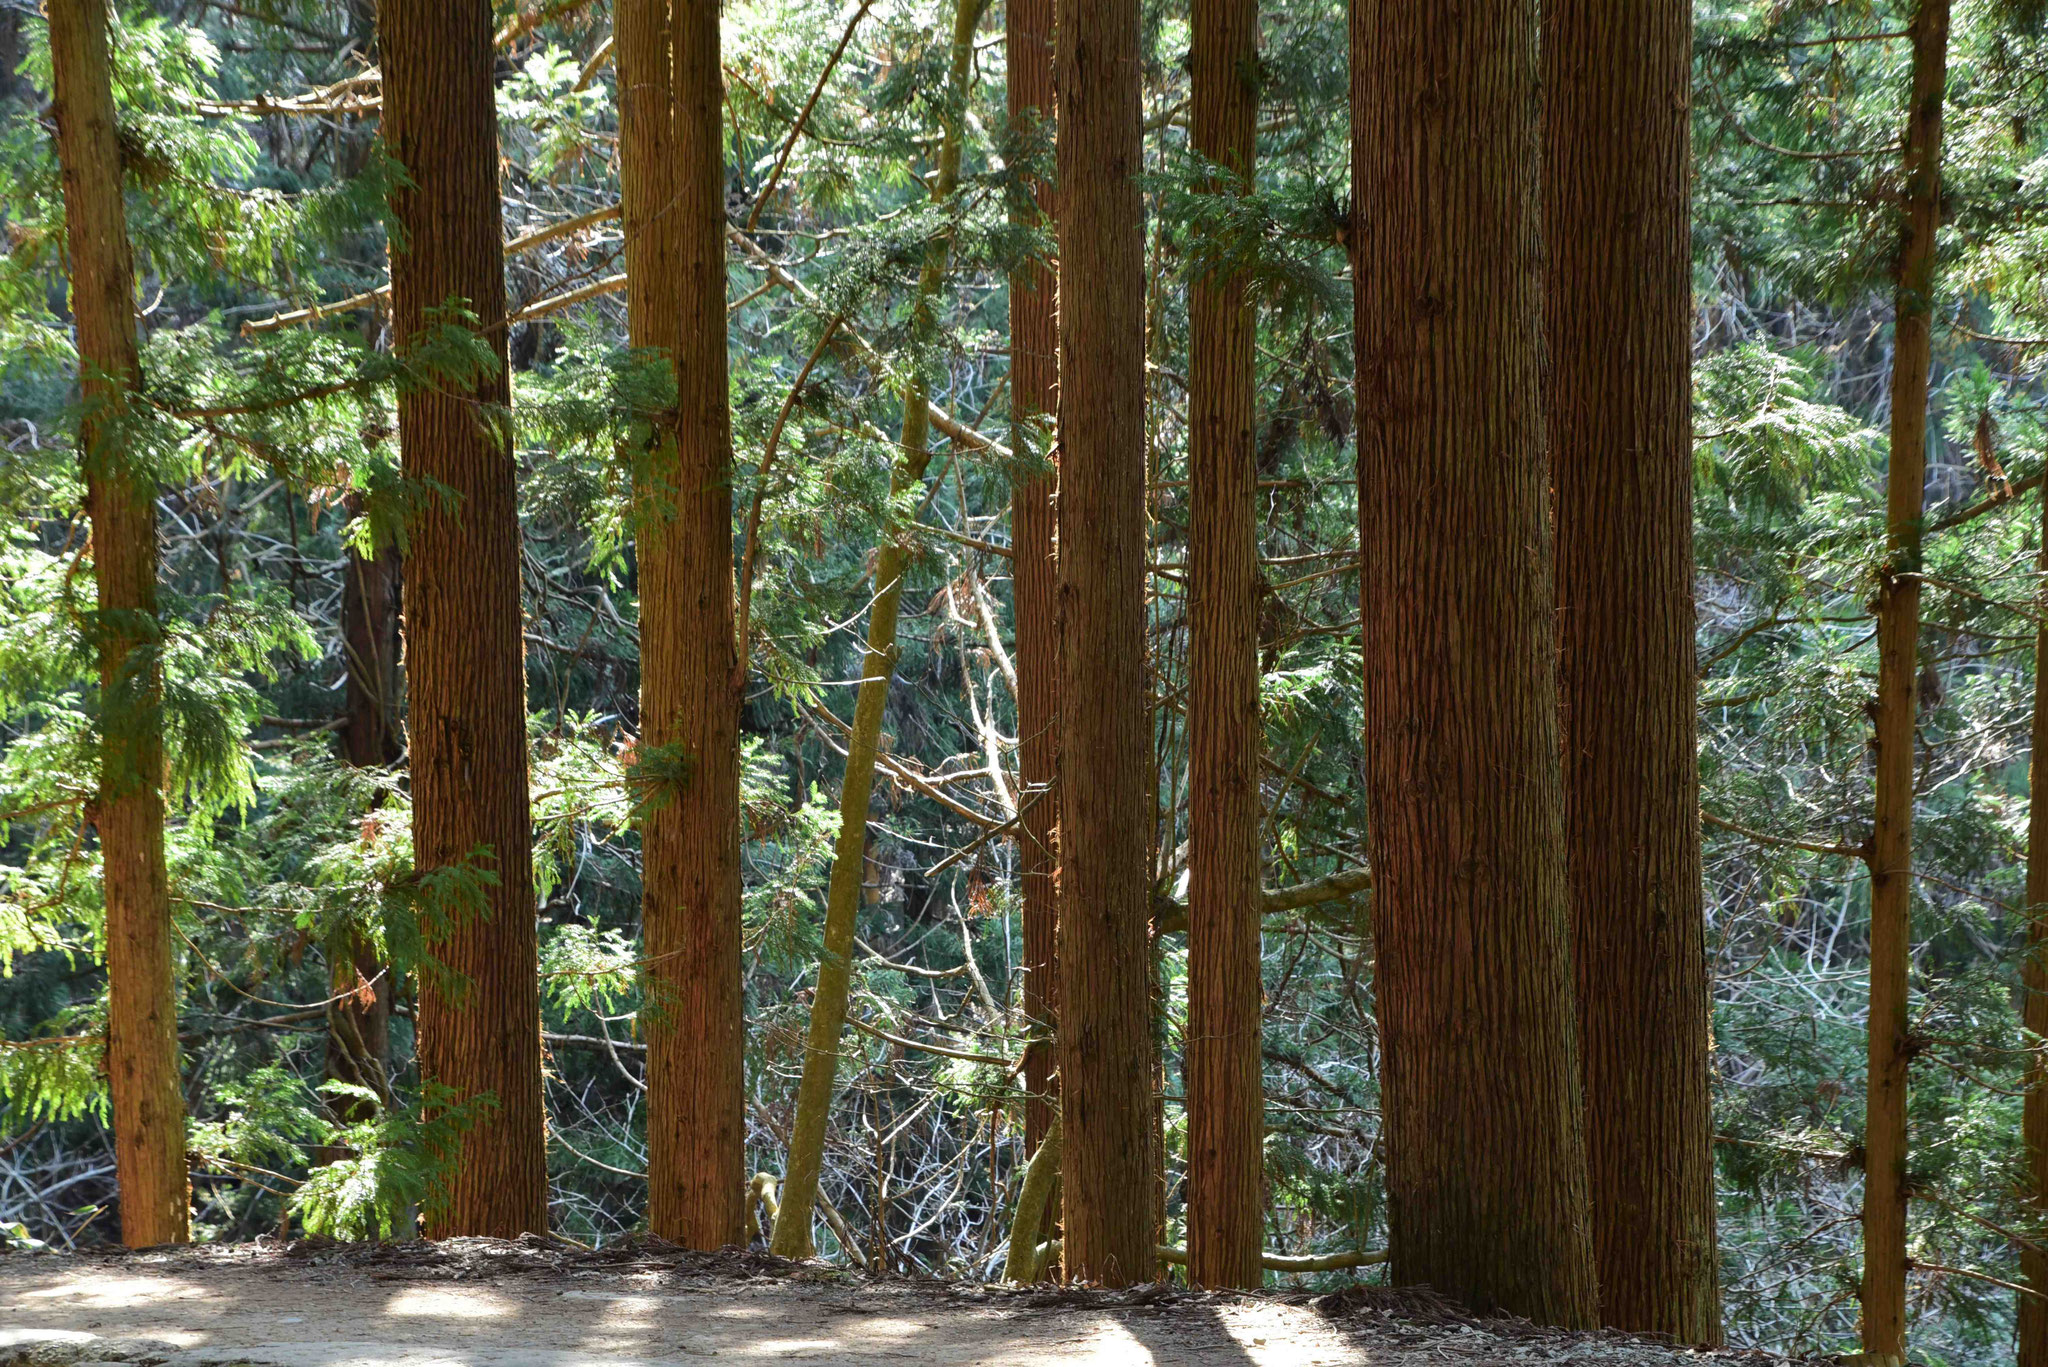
x: 2033, y: 1310
x: 1225, y: 1077
x: 672, y: 173
x: 1898, y: 643
x: 1484, y: 1133
x: 1618, y: 310
x: 1034, y: 390
x: 465, y: 659
x: 1106, y: 1059
x: 128, y: 812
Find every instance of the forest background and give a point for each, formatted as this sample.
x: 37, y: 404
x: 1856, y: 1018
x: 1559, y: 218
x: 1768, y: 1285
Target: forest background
x: 255, y: 198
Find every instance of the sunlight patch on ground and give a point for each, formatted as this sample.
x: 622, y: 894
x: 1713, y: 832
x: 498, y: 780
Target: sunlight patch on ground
x: 117, y: 1293
x: 776, y: 1348
x: 470, y: 1303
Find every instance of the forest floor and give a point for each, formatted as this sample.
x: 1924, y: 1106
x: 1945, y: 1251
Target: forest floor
x: 530, y: 1303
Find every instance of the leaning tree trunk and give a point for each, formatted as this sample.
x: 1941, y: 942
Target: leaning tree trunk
x: 1034, y: 389
x: 1225, y: 1074
x: 2033, y: 1309
x: 120, y: 496
x: 1618, y: 310
x: 1109, y: 1161
x: 672, y: 173
x: 792, y: 1238
x: 479, y: 1034
x: 1485, y: 1141
x: 1898, y: 640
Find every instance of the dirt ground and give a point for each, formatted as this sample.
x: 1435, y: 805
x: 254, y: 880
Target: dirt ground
x: 532, y: 1304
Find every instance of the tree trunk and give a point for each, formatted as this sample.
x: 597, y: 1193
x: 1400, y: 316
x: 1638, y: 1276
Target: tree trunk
x: 849, y: 859
x: 672, y: 170
x: 1033, y: 1217
x: 2033, y: 1310
x: 1898, y: 638
x: 1225, y: 1074
x: 465, y: 659
x: 359, y: 1017
x: 128, y: 812
x: 1484, y: 1130
x: 1034, y: 390
x: 1618, y: 309
x: 1109, y: 1163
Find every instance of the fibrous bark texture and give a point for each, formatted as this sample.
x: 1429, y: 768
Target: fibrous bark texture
x: 128, y: 811
x: 1898, y: 641
x: 479, y: 1033
x: 1225, y: 1074
x: 1034, y: 390
x: 1618, y: 310
x: 1484, y: 1132
x: 673, y: 179
x: 1106, y: 1059
x: 2033, y: 1310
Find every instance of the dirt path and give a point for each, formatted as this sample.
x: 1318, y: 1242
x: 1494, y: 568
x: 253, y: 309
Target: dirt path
x: 477, y: 1302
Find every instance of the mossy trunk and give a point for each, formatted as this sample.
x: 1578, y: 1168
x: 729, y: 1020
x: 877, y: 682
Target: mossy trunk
x: 842, y: 898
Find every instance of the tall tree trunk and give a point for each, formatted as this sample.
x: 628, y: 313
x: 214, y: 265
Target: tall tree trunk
x: 359, y: 1017
x: 792, y: 1237
x: 128, y: 812
x: 1618, y: 307
x: 1034, y: 389
x: 1225, y: 1074
x: 1109, y: 1163
x: 465, y: 659
x: 1898, y: 639
x: 672, y: 170
x: 2033, y: 1309
x: 1485, y: 1136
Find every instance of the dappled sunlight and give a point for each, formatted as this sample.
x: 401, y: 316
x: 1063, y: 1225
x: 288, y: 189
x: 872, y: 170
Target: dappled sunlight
x: 465, y: 1303
x: 115, y: 1293
x: 774, y: 1348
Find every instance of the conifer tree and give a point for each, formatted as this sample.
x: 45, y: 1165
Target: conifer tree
x: 479, y: 1022
x: 1034, y: 391
x: 1108, y: 1161
x: 792, y: 1238
x: 359, y: 1016
x: 1618, y: 312
x: 2032, y: 1304
x: 1898, y: 702
x: 1226, y: 1110
x: 128, y: 811
x: 672, y: 174
x: 1484, y: 1131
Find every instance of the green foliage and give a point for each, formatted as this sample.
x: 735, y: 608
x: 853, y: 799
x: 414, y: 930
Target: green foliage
x: 392, y: 1165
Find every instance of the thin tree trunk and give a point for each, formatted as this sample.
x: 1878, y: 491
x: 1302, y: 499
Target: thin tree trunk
x: 673, y: 177
x: 1225, y: 1075
x: 1484, y: 1130
x: 1034, y: 1213
x: 1618, y: 308
x: 359, y: 1018
x: 1109, y: 1162
x: 843, y: 893
x: 1898, y: 638
x: 1034, y: 392
x: 465, y: 659
x: 2033, y: 1310
x: 128, y: 812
